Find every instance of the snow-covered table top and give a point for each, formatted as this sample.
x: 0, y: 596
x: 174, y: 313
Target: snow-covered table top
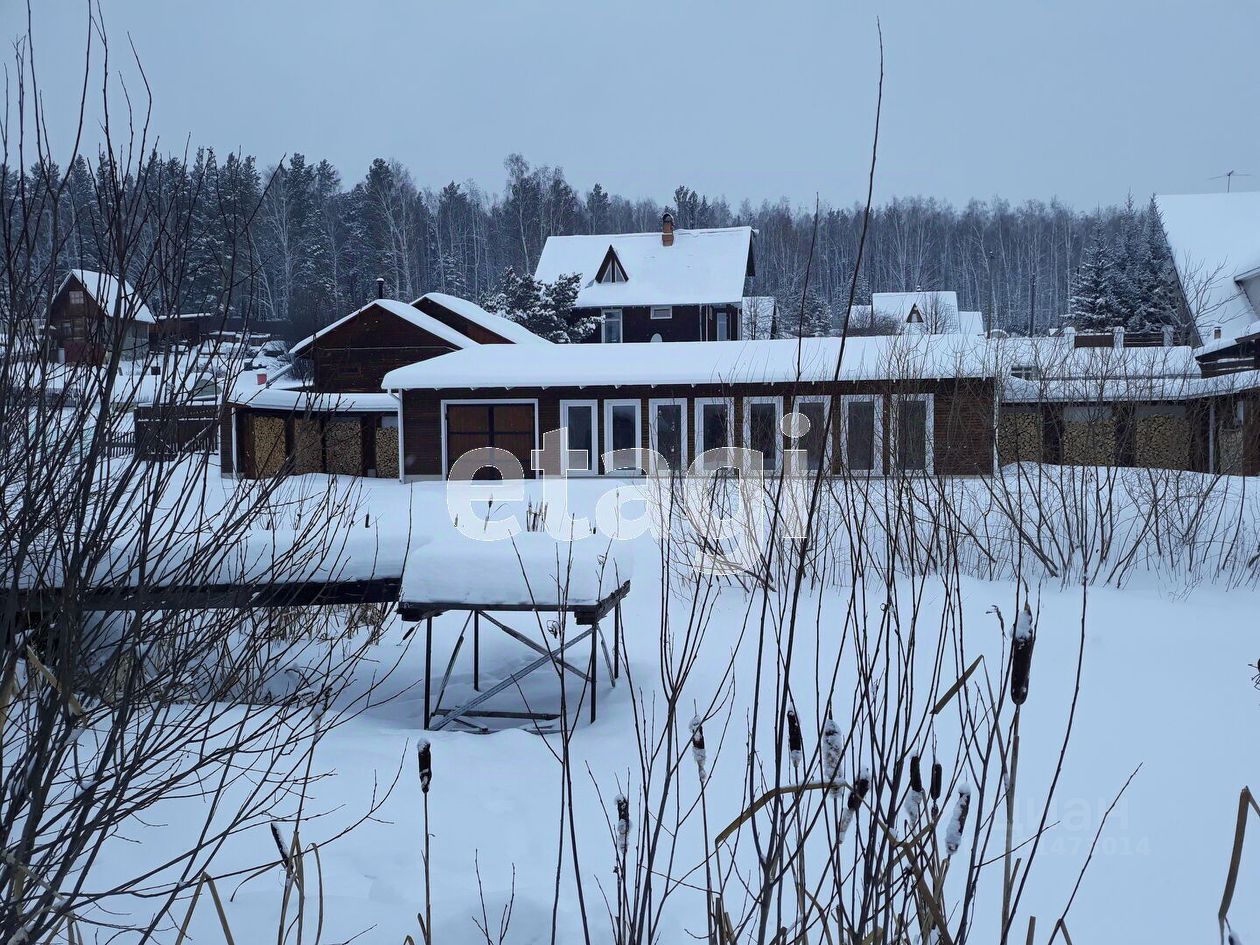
x: 532, y: 570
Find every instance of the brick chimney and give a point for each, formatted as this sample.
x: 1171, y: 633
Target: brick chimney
x: 380, y: 287
x: 667, y: 229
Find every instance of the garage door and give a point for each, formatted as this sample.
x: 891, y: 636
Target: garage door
x: 507, y: 426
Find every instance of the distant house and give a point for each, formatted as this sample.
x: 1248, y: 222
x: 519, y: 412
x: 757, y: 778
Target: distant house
x: 1215, y: 244
x: 91, y: 312
x: 674, y: 285
x: 339, y: 420
x: 930, y: 313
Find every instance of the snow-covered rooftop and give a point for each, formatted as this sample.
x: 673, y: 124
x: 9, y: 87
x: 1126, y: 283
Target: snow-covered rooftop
x: 503, y: 327
x: 691, y: 362
x: 701, y: 267
x: 1214, y: 239
x: 402, y: 310
x: 108, y: 292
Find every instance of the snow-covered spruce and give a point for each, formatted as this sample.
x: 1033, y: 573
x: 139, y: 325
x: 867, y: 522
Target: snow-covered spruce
x: 831, y: 754
x: 958, y: 820
x: 1021, y: 654
x: 623, y: 824
x: 697, y: 746
x: 796, y: 744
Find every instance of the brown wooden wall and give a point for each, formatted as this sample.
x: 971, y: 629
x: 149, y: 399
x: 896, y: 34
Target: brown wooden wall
x: 470, y: 329
x: 356, y: 355
x: 962, y: 416
x: 686, y: 324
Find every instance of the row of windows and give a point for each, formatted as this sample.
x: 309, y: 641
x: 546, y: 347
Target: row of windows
x: 612, y: 333
x: 674, y: 432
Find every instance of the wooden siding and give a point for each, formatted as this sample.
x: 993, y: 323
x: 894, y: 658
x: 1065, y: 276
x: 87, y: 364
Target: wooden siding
x: 466, y: 327
x: 356, y: 355
x: 687, y: 323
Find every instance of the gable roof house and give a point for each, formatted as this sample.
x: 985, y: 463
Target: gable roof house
x: 92, y: 311
x: 331, y: 415
x: 1215, y: 244
x: 674, y: 285
x: 928, y: 313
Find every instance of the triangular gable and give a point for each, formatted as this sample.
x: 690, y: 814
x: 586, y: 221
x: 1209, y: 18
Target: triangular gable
x: 611, y: 270
x: 915, y: 317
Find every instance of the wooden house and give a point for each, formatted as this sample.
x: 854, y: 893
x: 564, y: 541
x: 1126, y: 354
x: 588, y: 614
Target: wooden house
x: 92, y: 312
x: 672, y: 285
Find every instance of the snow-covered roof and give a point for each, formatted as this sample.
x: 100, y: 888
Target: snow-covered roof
x: 402, y: 310
x: 701, y: 267
x: 107, y: 291
x: 503, y: 327
x: 933, y: 312
x: 693, y: 362
x: 1214, y: 239
x: 970, y: 323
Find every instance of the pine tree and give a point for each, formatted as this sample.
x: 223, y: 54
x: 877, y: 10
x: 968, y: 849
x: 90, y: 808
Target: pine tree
x: 545, y: 308
x: 1093, y: 304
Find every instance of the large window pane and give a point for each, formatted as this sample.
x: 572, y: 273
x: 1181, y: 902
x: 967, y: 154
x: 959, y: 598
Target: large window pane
x: 814, y: 440
x: 859, y: 435
x: 625, y: 427
x: 763, y: 433
x: 581, y: 424
x: 669, y: 418
x: 714, y: 419
x: 912, y: 435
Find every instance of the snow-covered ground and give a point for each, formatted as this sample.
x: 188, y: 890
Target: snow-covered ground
x: 1167, y: 685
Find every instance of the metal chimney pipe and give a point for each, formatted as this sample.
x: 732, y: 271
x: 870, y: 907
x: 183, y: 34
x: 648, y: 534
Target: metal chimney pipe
x: 380, y: 287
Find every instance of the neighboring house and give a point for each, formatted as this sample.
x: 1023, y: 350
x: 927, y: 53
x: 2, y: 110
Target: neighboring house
x: 91, y: 312
x: 930, y: 313
x: 1215, y: 244
x: 340, y: 421
x: 675, y: 285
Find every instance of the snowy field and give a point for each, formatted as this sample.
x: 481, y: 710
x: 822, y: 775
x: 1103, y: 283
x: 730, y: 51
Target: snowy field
x: 1166, y: 685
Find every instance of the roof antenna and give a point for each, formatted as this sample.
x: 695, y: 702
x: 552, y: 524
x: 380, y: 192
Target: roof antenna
x: 1228, y: 177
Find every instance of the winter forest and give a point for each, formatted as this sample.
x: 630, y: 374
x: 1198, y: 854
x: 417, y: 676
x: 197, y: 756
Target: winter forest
x: 316, y: 243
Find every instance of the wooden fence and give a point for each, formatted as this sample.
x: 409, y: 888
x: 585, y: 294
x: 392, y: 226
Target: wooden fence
x: 166, y: 433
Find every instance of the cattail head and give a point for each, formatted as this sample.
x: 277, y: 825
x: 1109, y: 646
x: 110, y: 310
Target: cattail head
x: 936, y: 780
x: 861, y: 787
x: 1022, y: 640
x: 916, y: 777
x: 424, y: 758
x: 958, y: 820
x: 831, y: 753
x: 623, y: 824
x: 796, y: 745
x: 697, y: 746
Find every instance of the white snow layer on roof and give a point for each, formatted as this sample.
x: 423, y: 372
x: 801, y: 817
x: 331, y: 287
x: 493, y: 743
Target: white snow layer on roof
x: 402, y: 310
x: 107, y: 291
x: 503, y: 327
x: 1214, y: 239
x: 530, y: 569
x: 694, y: 362
x: 702, y: 267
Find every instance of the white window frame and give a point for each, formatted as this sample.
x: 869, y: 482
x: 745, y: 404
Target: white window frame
x: 929, y: 461
x: 661, y: 312
x: 684, y: 450
x: 700, y: 404
x: 877, y: 446
x: 442, y: 405
x: 593, y: 459
x: 777, y: 402
x: 638, y: 434
x: 612, y: 315
x: 828, y: 457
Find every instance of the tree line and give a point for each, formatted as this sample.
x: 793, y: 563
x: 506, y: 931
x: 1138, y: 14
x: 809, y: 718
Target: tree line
x: 316, y: 245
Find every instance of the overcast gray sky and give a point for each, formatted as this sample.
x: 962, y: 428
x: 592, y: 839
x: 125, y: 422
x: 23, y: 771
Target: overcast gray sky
x: 1079, y: 99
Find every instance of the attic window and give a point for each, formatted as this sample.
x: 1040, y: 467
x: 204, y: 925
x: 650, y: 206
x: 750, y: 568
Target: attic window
x: 1025, y: 372
x: 610, y: 270
x: 76, y: 296
x: 915, y: 317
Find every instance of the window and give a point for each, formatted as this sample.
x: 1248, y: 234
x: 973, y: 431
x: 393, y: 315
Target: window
x: 714, y: 423
x: 657, y: 338
x: 76, y: 297
x: 612, y: 326
x: 660, y: 312
x: 762, y: 419
x: 1026, y: 372
x: 723, y: 326
x: 610, y: 270
x: 667, y: 428
x: 813, y: 440
x: 578, y: 419
x: 859, y: 439
x: 913, y: 434
x: 622, y: 436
